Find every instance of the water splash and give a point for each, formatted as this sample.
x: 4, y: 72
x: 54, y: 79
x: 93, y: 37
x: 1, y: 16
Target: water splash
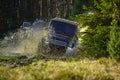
x: 23, y: 42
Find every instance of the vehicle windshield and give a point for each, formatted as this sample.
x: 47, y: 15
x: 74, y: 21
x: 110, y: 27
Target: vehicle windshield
x: 64, y: 28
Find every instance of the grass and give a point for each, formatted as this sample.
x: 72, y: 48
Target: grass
x: 82, y: 69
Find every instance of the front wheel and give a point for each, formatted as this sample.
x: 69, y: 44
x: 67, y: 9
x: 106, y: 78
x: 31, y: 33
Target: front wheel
x: 49, y: 50
x: 43, y: 47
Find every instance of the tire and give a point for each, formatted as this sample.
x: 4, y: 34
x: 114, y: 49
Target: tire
x: 50, y: 50
x: 42, y: 47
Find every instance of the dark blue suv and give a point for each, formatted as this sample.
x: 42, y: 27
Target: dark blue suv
x: 62, y: 35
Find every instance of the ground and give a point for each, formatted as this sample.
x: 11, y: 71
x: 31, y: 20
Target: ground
x: 55, y: 69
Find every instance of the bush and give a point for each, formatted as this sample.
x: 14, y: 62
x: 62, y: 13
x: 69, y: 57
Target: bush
x: 99, y: 36
x: 114, y: 43
x: 96, y: 36
x: 95, y: 42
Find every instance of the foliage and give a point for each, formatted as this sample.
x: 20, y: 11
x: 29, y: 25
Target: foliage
x: 100, y: 31
x: 79, y: 6
x: 64, y: 70
x: 114, y: 43
x: 95, y: 41
x: 98, y: 20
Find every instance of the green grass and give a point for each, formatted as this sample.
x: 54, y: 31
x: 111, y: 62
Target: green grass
x: 85, y: 69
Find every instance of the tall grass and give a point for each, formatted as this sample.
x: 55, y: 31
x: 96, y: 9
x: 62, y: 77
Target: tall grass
x: 102, y: 69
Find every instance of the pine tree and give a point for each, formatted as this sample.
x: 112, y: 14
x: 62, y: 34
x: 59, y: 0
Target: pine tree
x: 96, y: 37
x: 114, y: 43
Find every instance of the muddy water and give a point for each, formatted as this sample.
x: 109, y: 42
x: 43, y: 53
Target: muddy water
x: 22, y: 42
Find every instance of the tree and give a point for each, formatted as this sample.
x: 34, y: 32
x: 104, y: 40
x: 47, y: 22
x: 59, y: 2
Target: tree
x: 114, y: 43
x: 102, y: 38
x: 79, y: 6
x: 98, y: 20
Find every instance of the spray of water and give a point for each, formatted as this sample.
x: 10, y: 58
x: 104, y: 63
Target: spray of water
x: 23, y: 42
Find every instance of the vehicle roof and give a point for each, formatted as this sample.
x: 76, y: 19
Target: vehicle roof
x: 65, y: 21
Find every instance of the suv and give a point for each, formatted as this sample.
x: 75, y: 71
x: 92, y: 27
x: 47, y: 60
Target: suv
x: 62, y: 35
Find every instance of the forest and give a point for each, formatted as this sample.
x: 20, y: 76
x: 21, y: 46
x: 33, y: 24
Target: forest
x: 98, y: 59
x: 14, y: 12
